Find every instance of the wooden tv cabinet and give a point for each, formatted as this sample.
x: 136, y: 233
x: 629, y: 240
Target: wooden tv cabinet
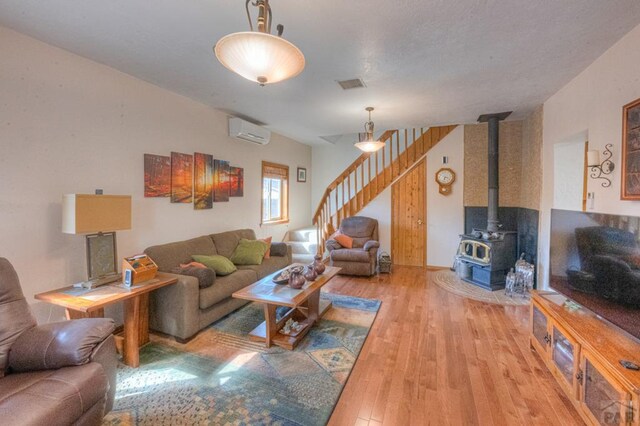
x: 583, y: 352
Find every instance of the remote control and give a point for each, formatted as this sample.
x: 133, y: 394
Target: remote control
x: 629, y: 365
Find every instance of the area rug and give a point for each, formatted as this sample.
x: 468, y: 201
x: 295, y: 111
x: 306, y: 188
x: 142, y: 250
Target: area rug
x: 449, y: 281
x: 221, y: 377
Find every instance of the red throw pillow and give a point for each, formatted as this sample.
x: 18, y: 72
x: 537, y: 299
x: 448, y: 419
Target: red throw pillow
x: 344, y: 240
x: 267, y: 254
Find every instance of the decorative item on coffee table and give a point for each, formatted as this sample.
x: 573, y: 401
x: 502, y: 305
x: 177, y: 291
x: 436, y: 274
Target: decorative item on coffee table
x: 319, y: 265
x: 296, y: 279
x: 310, y: 273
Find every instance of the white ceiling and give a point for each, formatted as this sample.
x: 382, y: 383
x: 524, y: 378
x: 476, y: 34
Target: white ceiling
x: 425, y: 62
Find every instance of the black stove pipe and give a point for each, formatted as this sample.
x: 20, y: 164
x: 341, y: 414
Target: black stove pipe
x: 493, y: 224
x: 493, y: 120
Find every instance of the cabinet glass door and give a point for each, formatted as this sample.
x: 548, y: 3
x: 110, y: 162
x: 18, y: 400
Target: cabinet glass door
x: 563, y: 355
x: 540, y: 326
x: 606, y: 402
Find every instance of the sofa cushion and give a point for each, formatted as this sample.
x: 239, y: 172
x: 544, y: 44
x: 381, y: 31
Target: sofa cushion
x: 226, y: 242
x: 52, y: 396
x: 220, y: 264
x: 168, y: 256
x: 344, y: 240
x: 350, y: 255
x: 249, y: 252
x: 225, y: 286
x: 268, y: 241
x: 268, y: 266
x: 205, y: 276
x: 278, y: 249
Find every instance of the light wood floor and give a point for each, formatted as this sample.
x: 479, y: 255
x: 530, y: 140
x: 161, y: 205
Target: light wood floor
x: 434, y: 358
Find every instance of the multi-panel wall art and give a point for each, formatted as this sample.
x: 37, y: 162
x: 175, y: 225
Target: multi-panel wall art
x: 196, y: 178
x: 157, y: 175
x: 202, y: 181
x: 220, y: 180
x: 236, y: 181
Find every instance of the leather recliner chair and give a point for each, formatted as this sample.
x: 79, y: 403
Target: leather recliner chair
x: 52, y: 374
x: 362, y: 258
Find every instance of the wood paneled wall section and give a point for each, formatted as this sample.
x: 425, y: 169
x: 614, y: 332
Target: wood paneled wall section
x: 520, y: 162
x: 409, y: 217
x: 531, y: 167
x: 475, y: 163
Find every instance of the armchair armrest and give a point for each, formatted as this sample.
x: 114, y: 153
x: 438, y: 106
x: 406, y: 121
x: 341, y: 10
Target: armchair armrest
x: 60, y: 344
x: 331, y: 245
x: 371, y: 244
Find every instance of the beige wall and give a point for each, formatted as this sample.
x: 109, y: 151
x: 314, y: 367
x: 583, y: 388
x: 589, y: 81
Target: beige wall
x: 70, y: 125
x: 475, y: 163
x: 589, y: 108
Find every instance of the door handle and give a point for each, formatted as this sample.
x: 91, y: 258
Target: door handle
x: 420, y: 222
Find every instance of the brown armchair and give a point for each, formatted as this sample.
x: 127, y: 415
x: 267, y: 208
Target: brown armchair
x: 55, y: 374
x: 361, y: 259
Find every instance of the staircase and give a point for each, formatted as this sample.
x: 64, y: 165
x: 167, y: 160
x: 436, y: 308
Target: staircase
x: 370, y: 174
x: 304, y: 244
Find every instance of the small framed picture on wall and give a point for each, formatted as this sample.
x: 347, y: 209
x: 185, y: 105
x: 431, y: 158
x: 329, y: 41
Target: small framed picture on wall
x: 631, y: 151
x: 302, y: 174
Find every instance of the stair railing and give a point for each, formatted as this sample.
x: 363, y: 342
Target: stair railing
x: 370, y: 174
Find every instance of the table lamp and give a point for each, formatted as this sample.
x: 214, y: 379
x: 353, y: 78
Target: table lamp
x: 98, y: 217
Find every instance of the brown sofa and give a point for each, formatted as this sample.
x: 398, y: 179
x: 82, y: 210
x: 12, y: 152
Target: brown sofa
x: 52, y: 374
x: 183, y: 309
x: 361, y: 259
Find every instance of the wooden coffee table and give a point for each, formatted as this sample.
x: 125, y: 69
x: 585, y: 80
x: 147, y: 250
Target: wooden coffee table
x: 305, y: 304
x: 82, y: 303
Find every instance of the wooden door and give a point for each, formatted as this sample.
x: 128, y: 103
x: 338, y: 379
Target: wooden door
x: 408, y: 218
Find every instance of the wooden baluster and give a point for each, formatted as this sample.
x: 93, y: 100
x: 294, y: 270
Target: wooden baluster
x: 413, y: 144
x: 337, y: 211
x: 384, y: 166
x: 369, y: 181
x: 377, y: 173
x: 398, y: 152
x: 349, y: 188
x: 406, y: 149
x: 390, y: 162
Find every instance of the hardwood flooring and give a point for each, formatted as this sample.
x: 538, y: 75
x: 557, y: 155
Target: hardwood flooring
x: 435, y: 358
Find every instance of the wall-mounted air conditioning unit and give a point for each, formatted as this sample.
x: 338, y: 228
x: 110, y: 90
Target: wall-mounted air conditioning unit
x: 241, y: 129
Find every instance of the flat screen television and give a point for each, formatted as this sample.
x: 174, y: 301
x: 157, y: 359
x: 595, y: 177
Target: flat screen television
x: 595, y: 261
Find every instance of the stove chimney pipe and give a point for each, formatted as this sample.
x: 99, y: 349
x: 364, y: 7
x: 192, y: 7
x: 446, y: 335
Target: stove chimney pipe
x: 493, y: 224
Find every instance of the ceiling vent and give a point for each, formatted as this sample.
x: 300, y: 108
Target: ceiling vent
x: 354, y: 83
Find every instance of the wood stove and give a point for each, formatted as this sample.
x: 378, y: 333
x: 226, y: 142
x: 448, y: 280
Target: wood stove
x: 488, y: 254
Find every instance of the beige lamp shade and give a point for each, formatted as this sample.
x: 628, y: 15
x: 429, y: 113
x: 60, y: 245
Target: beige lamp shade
x: 89, y: 214
x: 260, y: 57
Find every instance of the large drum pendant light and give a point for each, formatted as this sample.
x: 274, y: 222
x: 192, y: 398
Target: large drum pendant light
x: 259, y: 55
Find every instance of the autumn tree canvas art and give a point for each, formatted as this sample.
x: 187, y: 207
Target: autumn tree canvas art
x: 220, y: 180
x: 181, y: 178
x: 157, y: 175
x: 236, y: 182
x: 203, y: 181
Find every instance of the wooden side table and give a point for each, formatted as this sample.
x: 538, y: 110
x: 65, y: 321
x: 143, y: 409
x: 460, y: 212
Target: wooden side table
x: 84, y: 303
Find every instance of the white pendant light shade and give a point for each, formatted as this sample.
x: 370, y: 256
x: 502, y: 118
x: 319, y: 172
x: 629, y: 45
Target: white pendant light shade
x: 259, y: 56
x: 369, y: 146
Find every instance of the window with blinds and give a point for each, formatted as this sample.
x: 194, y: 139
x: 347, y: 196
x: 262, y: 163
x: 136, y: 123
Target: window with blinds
x: 275, y: 193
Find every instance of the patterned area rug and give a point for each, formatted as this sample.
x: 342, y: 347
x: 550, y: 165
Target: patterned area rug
x: 449, y: 281
x: 221, y: 377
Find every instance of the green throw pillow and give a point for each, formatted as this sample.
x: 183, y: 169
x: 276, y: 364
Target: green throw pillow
x: 249, y: 252
x: 220, y: 264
